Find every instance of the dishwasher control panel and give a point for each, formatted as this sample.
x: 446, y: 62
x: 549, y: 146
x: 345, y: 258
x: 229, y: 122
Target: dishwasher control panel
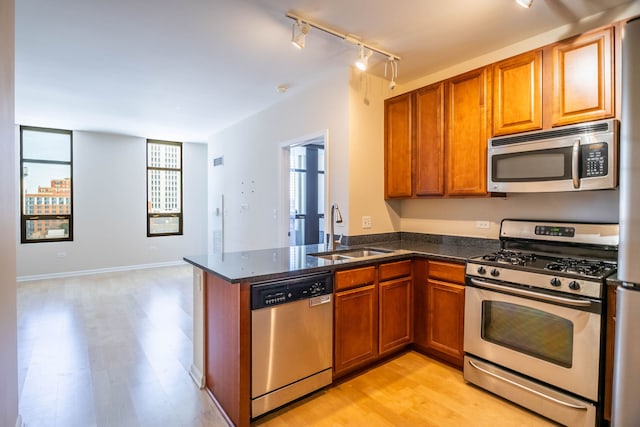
x: 268, y: 294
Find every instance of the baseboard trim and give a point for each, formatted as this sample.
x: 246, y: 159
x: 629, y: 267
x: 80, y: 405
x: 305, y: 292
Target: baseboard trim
x: 19, y: 421
x: 98, y: 271
x: 197, y: 376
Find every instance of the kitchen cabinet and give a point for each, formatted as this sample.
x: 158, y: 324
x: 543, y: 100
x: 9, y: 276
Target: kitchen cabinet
x: 395, y: 306
x: 582, y: 77
x: 429, y: 141
x: 355, y: 319
x: 468, y: 107
x: 517, y: 94
x: 446, y: 126
x: 609, y: 350
x: 398, y: 119
x: 439, y: 308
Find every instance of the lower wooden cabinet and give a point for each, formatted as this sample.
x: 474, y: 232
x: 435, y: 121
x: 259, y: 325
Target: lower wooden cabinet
x: 395, y: 314
x: 373, y: 314
x: 439, y: 310
x: 356, y: 328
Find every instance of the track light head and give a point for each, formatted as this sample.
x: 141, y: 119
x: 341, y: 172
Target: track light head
x: 298, y: 37
x: 363, y: 59
x: 392, y: 64
x: 525, y: 3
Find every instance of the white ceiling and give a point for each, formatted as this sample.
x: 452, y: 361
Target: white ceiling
x: 184, y: 69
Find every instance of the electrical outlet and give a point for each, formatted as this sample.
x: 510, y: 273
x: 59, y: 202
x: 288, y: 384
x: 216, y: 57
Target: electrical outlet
x: 366, y: 221
x: 482, y: 224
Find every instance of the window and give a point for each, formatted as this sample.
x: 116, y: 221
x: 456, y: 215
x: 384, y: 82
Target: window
x: 46, y: 165
x: 164, y: 188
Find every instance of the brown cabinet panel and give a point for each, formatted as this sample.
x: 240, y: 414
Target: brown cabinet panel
x: 446, y: 320
x: 429, y: 148
x: 393, y: 270
x: 356, y: 328
x: 395, y: 299
x: 517, y: 94
x: 346, y: 279
x: 446, y: 271
x: 420, y: 303
x: 583, y: 81
x: 398, y: 130
x: 468, y: 105
x: 228, y: 327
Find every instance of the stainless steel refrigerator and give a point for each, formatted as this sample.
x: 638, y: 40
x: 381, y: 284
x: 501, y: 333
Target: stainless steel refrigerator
x: 626, y: 378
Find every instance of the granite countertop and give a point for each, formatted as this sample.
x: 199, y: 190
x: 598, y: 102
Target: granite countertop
x: 269, y: 264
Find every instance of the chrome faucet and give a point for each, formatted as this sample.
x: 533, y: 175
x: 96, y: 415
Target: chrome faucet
x: 333, y: 242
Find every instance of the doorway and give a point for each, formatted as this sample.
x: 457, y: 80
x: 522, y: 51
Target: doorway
x: 307, y: 192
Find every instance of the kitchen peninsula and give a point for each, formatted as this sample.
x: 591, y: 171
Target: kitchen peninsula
x: 224, y: 292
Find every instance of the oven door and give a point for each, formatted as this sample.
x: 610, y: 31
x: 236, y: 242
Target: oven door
x: 551, y: 339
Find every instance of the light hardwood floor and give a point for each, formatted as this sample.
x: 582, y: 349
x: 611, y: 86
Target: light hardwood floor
x: 115, y: 349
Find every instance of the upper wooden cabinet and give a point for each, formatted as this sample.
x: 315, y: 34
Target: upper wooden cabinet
x: 429, y: 141
x: 517, y: 94
x: 446, y: 126
x: 583, y: 78
x: 398, y: 140
x: 468, y: 105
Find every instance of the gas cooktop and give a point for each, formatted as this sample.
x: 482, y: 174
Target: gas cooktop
x: 551, y: 263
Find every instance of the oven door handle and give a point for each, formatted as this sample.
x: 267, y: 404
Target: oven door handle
x: 536, y: 392
x: 525, y: 293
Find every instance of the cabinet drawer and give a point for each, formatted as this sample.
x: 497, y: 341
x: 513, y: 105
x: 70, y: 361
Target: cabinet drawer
x: 356, y: 277
x: 393, y: 270
x: 446, y: 271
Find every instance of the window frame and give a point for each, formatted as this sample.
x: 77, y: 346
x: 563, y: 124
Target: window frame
x: 179, y: 215
x: 24, y: 218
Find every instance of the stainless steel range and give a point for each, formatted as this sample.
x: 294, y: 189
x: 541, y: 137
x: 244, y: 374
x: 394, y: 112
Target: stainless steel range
x: 534, y: 324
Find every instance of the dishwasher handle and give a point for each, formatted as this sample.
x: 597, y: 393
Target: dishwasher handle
x: 320, y: 300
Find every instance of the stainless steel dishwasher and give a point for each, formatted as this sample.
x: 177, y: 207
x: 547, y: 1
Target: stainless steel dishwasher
x: 291, y: 339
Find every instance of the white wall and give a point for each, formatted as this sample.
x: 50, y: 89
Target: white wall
x: 109, y: 196
x: 251, y: 177
x: 8, y: 319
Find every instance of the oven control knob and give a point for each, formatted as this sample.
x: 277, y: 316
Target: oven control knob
x: 481, y: 270
x: 555, y: 282
x: 574, y: 285
x: 495, y: 272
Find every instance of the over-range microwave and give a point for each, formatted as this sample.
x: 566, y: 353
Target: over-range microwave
x: 569, y: 158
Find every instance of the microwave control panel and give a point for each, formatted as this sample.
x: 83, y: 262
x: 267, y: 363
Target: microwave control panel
x: 594, y: 160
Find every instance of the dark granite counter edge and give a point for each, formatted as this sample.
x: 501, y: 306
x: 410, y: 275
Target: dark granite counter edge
x: 411, y: 245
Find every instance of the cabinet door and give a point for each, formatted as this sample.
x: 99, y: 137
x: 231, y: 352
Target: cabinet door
x: 398, y: 131
x: 429, y: 162
x: 466, y: 150
x: 395, y: 314
x: 356, y: 328
x: 517, y: 94
x: 583, y: 78
x: 445, y: 302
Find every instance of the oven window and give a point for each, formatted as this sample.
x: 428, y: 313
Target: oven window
x: 531, y: 166
x: 530, y: 331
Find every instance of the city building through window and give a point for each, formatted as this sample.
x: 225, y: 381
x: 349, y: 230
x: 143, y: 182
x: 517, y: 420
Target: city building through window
x: 46, y: 185
x: 164, y: 188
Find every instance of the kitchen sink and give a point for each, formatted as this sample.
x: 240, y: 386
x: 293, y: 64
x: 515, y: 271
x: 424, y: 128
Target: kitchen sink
x: 346, y: 254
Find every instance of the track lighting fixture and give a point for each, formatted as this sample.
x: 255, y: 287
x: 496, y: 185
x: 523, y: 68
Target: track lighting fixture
x: 393, y: 70
x: 363, y: 59
x: 525, y: 3
x: 303, y: 27
x: 298, y: 37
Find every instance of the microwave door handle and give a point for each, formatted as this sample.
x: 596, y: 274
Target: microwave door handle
x: 575, y: 166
